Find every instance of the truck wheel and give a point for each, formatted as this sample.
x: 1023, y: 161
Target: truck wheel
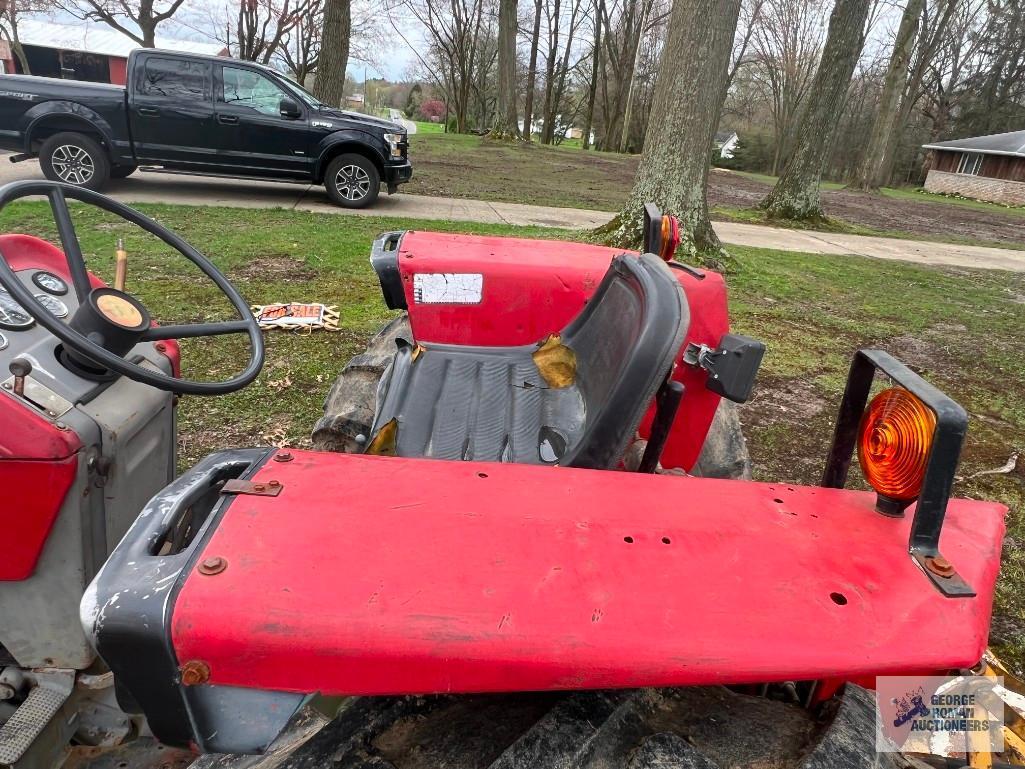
x: 352, y: 181
x: 122, y: 172
x: 76, y: 159
x: 349, y: 411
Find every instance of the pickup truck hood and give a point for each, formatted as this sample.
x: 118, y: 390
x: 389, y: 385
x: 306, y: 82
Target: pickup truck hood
x: 340, y: 114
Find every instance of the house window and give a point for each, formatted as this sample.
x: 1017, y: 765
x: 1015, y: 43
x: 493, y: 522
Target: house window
x: 969, y: 163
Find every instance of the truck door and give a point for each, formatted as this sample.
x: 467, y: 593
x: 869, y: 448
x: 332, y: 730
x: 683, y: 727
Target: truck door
x: 254, y: 135
x: 172, y: 114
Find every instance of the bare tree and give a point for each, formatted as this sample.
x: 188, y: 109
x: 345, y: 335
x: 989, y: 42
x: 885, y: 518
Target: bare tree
x: 623, y: 26
x: 126, y: 15
x: 300, y: 49
x: 528, y: 102
x: 262, y: 26
x: 592, y: 83
x: 329, y: 85
x: 454, y: 30
x: 785, y: 50
x: 505, y: 115
x: 869, y: 175
x: 557, y: 63
x: 796, y: 194
x: 677, y: 148
x: 10, y: 14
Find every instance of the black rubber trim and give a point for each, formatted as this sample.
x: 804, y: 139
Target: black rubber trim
x: 127, y: 612
x: 384, y: 258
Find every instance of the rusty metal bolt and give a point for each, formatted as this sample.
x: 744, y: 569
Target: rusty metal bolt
x: 212, y: 565
x: 273, y: 484
x: 160, y: 347
x: 283, y: 456
x: 940, y: 566
x: 259, y: 487
x: 195, y: 672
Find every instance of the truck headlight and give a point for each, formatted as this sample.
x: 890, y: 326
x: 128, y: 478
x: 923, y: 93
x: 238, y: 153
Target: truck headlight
x: 394, y: 140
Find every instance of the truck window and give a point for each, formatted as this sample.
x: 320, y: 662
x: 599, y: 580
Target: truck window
x: 175, y: 78
x: 246, y: 88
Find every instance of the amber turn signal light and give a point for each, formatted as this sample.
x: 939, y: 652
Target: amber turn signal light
x: 670, y: 237
x: 894, y: 440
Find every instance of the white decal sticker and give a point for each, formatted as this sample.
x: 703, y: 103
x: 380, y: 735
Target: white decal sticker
x: 447, y: 287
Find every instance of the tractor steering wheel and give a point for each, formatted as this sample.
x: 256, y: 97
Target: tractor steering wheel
x: 108, y: 322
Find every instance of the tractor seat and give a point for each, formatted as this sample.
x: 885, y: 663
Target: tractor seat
x: 574, y: 399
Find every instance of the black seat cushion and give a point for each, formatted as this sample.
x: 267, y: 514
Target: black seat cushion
x: 496, y: 404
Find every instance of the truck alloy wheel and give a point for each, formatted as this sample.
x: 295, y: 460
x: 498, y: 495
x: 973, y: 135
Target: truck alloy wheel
x: 74, y: 158
x: 72, y: 164
x: 352, y: 182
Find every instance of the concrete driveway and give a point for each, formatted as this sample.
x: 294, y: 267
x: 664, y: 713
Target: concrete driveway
x: 143, y: 187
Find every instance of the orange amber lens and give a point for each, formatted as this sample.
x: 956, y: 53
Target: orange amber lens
x: 893, y: 443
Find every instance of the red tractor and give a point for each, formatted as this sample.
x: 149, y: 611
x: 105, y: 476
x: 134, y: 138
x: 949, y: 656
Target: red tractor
x: 517, y: 513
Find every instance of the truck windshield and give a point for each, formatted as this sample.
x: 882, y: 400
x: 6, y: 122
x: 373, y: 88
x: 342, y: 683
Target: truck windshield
x: 301, y: 92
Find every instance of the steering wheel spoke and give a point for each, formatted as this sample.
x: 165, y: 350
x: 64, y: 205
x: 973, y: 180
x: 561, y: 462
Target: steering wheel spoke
x: 69, y: 243
x: 116, y: 317
x: 192, y: 330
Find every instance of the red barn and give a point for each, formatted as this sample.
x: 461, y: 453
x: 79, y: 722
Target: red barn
x: 89, y: 51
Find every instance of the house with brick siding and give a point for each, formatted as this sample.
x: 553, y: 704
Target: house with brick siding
x: 983, y: 167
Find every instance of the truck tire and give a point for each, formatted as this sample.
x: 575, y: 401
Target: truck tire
x: 352, y: 181
x: 75, y: 158
x: 349, y: 411
x: 122, y: 172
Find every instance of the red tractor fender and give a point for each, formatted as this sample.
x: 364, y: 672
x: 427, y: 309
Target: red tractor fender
x: 493, y: 291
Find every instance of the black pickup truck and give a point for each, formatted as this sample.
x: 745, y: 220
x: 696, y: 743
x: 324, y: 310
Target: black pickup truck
x: 199, y: 114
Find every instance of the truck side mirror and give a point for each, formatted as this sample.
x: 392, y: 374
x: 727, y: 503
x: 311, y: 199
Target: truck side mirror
x: 289, y: 109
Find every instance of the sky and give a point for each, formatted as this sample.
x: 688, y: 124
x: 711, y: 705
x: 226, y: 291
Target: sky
x: 390, y: 58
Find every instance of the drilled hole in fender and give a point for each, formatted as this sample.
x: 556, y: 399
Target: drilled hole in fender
x: 778, y: 501
x: 628, y: 540
x: 482, y: 475
x: 666, y: 541
x: 838, y: 598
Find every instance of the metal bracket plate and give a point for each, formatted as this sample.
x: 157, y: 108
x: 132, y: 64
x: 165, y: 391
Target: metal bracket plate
x: 256, y: 488
x: 42, y: 398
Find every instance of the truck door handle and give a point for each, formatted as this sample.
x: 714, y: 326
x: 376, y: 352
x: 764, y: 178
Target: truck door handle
x: 149, y: 111
x: 227, y: 119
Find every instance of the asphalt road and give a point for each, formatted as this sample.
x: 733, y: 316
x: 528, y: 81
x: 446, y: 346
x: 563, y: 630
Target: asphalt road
x: 146, y: 187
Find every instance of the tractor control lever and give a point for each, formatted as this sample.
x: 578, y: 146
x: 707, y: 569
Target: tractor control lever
x: 20, y: 368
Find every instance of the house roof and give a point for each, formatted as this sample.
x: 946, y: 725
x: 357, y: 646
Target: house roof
x: 721, y: 137
x: 98, y: 38
x: 1012, y: 143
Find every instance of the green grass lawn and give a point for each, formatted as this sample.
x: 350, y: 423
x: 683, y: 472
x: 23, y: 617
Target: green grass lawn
x: 466, y: 166
x: 426, y: 127
x: 961, y: 329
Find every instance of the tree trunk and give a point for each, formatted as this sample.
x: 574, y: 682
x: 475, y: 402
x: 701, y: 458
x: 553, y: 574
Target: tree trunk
x: 624, y: 137
x: 329, y: 85
x: 548, y: 109
x: 796, y: 194
x: 592, y: 87
x: 505, y: 116
x: 673, y: 171
x: 528, y: 107
x: 875, y: 166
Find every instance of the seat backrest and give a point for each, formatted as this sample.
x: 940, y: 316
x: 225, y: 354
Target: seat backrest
x: 625, y: 340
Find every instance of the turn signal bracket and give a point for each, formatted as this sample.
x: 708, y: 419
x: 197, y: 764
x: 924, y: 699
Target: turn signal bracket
x: 944, y: 454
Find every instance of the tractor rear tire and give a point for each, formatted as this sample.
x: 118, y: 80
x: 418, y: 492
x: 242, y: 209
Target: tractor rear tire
x: 349, y: 411
x: 686, y: 728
